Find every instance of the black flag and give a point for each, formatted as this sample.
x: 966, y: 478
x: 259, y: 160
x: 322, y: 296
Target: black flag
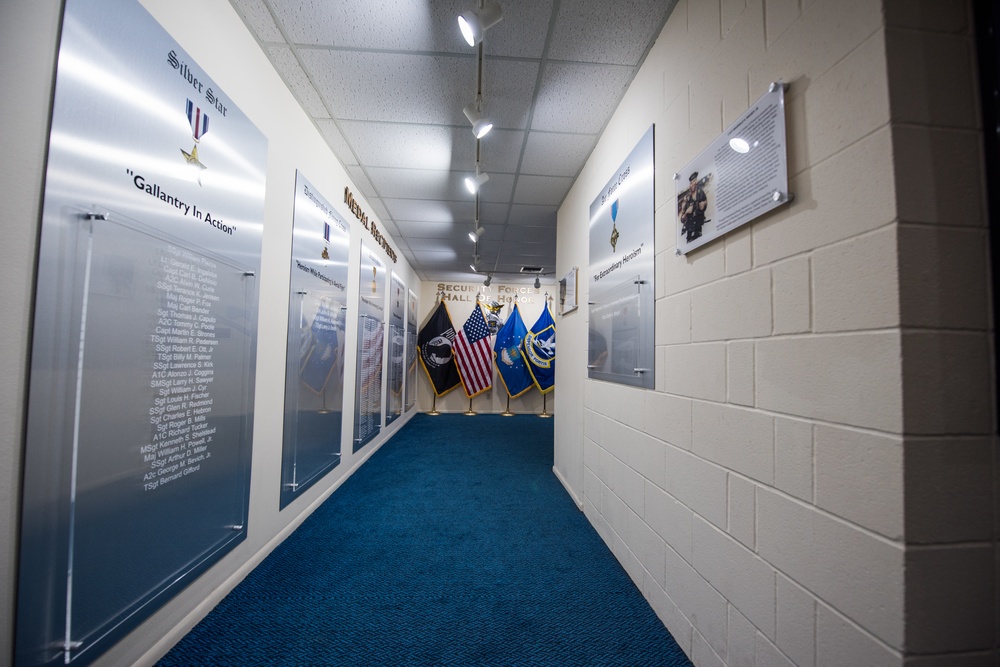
x: 435, y: 342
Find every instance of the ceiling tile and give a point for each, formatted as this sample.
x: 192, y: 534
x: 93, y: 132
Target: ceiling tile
x: 361, y: 181
x: 257, y: 16
x: 493, y: 212
x: 529, y: 235
x: 528, y: 214
x: 398, y: 25
x: 552, y: 154
x: 413, y: 229
x: 586, y: 31
x: 392, y: 87
x: 521, y: 33
x: 395, y: 76
x: 431, y: 184
x: 500, y: 150
x: 380, y: 211
x: 295, y: 78
x: 427, y: 210
x: 411, y: 146
x: 336, y: 141
x: 546, y: 190
x: 579, y: 98
x: 436, y: 256
x: 508, y: 88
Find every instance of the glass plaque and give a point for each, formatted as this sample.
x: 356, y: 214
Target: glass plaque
x: 397, y: 350
x: 137, y: 453
x: 739, y: 177
x: 621, y: 343
x: 411, y: 351
x: 314, y: 372
x: 371, y: 331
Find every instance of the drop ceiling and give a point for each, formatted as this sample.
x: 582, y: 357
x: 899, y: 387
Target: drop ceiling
x: 386, y: 81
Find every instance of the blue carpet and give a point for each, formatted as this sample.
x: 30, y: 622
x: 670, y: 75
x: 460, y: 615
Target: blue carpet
x: 453, y: 545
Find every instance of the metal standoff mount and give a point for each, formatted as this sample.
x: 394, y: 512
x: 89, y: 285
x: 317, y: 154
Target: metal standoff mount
x: 780, y: 196
x: 95, y: 216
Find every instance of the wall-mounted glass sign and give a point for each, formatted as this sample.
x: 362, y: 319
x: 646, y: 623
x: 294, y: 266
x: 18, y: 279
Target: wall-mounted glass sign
x: 371, y: 330
x: 137, y: 456
x: 622, y: 273
x: 740, y: 176
x: 314, y: 372
x: 397, y: 350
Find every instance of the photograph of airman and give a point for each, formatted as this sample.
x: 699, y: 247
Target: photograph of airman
x: 693, y: 207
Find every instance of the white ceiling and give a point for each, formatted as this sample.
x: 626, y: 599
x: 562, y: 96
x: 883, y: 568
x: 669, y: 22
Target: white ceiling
x: 385, y: 81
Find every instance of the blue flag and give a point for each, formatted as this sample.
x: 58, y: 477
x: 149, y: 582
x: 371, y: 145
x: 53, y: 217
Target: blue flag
x: 509, y: 359
x: 539, y: 348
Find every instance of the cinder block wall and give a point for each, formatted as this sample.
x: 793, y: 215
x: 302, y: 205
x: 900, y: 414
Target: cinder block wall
x: 812, y: 482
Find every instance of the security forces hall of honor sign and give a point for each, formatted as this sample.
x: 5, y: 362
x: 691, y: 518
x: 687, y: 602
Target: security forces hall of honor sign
x: 621, y: 273
x: 144, y: 338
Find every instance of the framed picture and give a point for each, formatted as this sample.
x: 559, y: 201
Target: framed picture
x: 567, y: 292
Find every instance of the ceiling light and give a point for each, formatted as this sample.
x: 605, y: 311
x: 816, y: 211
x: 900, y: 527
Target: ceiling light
x: 475, y: 263
x: 473, y: 183
x: 538, y: 283
x: 488, y: 280
x: 476, y: 233
x: 474, y: 24
x: 480, y: 126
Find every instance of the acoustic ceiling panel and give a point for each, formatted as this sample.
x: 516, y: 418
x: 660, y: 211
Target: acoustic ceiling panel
x: 385, y: 84
x: 541, y: 190
x: 587, y: 32
x: 552, y: 154
x: 579, y: 98
x: 295, y: 78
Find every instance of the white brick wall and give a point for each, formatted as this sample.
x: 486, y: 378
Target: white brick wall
x: 813, y: 481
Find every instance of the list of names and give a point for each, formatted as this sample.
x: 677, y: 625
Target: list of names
x: 184, y: 343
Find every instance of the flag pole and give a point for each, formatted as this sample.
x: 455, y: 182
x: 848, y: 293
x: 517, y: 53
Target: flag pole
x: 507, y: 412
x: 543, y: 413
x: 470, y: 411
x: 434, y: 412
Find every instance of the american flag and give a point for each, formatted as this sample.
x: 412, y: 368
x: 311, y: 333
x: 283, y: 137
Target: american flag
x: 473, y: 354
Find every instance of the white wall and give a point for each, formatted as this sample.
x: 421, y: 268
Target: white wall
x: 758, y: 497
x: 220, y: 44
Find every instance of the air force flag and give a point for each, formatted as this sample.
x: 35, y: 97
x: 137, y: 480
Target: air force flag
x: 509, y: 359
x: 540, y: 350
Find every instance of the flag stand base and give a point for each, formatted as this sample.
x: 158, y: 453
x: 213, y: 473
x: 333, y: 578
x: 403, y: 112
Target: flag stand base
x: 470, y: 412
x: 507, y: 412
x: 433, y: 412
x: 543, y: 413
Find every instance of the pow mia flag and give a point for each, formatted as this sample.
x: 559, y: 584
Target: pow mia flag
x: 434, y: 343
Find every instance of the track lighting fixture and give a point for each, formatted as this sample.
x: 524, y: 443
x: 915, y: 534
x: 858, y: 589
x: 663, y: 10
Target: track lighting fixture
x: 538, y: 283
x: 476, y: 233
x: 488, y: 280
x: 480, y: 126
x: 475, y: 263
x: 474, y: 24
x: 473, y: 183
